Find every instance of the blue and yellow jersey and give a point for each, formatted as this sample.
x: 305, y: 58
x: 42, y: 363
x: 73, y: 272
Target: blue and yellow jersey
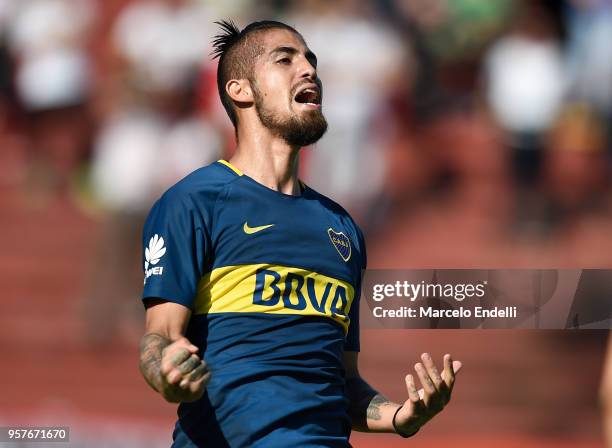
x: 273, y: 282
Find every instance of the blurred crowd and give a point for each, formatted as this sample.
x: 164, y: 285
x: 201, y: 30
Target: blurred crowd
x: 463, y: 133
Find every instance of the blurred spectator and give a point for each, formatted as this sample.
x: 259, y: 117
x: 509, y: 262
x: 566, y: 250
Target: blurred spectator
x: 457, y: 218
x: 590, y: 52
x: 575, y: 172
x: 163, y: 41
x: 47, y: 40
x: 456, y: 33
x: 138, y: 155
x: 525, y: 84
x: 152, y: 134
x: 13, y: 161
x: 112, y: 305
x: 48, y: 37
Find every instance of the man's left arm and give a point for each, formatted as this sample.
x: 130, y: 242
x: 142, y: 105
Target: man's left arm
x: 370, y: 411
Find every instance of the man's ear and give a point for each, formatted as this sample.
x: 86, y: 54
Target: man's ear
x: 239, y: 90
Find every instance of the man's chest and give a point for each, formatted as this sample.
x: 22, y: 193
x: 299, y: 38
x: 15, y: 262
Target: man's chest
x: 251, y: 229
x: 280, y: 257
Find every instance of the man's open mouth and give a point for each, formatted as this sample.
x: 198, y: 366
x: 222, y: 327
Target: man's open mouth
x: 309, y: 95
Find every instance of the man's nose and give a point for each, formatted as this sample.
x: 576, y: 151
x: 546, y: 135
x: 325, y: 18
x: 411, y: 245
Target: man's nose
x: 307, y: 70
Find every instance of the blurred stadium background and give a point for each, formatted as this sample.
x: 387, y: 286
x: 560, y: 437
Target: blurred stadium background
x: 463, y: 134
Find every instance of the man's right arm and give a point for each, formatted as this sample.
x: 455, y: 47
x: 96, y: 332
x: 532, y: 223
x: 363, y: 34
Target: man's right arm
x: 168, y: 361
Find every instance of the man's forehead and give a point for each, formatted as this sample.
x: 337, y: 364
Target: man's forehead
x: 278, y: 38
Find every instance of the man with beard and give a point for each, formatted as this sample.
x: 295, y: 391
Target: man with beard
x: 252, y: 279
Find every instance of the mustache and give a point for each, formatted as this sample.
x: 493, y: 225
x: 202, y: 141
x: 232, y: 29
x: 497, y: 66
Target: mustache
x: 316, y: 81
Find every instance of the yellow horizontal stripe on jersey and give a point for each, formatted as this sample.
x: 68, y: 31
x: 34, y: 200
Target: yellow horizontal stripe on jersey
x: 273, y: 289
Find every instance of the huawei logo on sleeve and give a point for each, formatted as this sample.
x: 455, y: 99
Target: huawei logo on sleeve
x: 153, y: 254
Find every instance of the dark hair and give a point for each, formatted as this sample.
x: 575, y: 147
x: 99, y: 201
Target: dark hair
x: 237, y: 53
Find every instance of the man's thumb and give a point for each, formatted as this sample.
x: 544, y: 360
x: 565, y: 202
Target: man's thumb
x: 457, y: 366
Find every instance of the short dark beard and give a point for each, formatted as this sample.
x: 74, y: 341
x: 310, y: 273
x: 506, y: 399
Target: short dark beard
x: 296, y: 131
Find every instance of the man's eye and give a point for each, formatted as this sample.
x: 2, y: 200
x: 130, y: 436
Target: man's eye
x: 284, y: 61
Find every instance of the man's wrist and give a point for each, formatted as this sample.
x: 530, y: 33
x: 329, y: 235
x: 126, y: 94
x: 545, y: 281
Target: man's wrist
x: 151, y: 348
x: 397, y: 430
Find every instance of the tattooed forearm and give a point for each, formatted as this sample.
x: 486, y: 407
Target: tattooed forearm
x: 151, y: 347
x: 364, y: 403
x: 373, y: 411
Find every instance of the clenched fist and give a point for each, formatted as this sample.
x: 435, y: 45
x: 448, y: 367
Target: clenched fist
x: 183, y: 374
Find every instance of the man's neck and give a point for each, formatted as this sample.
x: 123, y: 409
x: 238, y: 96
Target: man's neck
x: 271, y: 162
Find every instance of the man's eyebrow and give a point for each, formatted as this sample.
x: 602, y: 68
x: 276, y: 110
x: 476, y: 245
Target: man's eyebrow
x: 312, y: 58
x: 284, y: 49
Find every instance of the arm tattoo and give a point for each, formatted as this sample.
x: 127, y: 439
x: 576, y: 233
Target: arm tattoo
x: 151, y: 347
x: 373, y: 411
x: 364, y: 403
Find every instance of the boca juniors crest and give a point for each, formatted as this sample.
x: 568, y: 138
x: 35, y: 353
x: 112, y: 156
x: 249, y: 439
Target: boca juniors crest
x: 341, y: 242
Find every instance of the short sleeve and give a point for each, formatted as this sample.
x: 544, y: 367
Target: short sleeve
x: 174, y: 248
x: 352, y: 338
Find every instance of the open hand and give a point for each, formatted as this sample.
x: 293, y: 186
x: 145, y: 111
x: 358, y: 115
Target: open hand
x: 423, y: 404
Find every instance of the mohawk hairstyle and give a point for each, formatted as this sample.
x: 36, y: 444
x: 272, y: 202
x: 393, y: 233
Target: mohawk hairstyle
x: 229, y: 35
x: 237, y: 52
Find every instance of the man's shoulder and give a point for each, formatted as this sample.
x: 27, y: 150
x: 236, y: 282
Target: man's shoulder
x: 333, y: 206
x: 203, y: 184
x: 210, y: 178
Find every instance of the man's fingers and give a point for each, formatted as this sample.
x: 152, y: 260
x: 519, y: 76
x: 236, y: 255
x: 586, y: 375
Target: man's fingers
x: 449, y: 372
x: 198, y: 372
x: 185, y: 375
x: 190, y: 363
x: 414, y: 407
x: 188, y: 372
x: 172, y: 357
x: 432, y: 370
x: 413, y: 394
x: 177, y: 353
x: 193, y: 390
x: 175, y: 373
x: 196, y: 387
x: 195, y: 376
x: 180, y: 357
x: 425, y: 380
x: 421, y: 393
x: 174, y: 376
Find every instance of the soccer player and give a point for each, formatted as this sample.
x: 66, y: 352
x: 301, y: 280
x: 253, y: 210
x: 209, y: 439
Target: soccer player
x: 252, y: 279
